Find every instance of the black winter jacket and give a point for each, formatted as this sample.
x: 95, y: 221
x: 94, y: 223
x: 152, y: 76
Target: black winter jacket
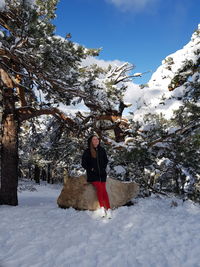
x: 95, y: 167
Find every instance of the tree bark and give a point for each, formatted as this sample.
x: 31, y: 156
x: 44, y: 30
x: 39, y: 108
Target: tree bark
x: 48, y: 173
x: 37, y: 174
x: 9, y: 151
x: 119, y: 135
x: 43, y: 175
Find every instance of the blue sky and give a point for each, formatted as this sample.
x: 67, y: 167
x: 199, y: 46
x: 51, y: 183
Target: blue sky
x: 142, y: 32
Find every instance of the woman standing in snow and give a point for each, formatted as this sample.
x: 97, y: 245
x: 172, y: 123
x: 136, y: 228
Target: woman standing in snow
x: 95, y: 161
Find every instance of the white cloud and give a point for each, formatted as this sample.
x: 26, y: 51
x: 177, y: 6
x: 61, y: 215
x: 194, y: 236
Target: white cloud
x: 133, y: 5
x: 100, y: 62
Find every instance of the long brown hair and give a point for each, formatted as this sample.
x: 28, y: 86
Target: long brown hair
x: 91, y: 147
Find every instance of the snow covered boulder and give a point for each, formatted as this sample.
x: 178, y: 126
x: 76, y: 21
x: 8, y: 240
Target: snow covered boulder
x: 79, y: 194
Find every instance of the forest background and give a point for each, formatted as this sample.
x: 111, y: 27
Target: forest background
x: 156, y: 145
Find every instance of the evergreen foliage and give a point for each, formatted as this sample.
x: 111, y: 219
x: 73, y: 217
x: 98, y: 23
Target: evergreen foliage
x: 46, y: 70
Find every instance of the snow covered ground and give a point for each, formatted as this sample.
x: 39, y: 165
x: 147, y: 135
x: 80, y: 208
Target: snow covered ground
x: 151, y: 233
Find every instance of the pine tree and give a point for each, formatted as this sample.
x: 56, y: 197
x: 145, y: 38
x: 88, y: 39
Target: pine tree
x: 40, y: 70
x: 33, y: 62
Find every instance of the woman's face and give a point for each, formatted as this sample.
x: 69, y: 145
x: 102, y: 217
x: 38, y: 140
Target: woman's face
x: 95, y: 141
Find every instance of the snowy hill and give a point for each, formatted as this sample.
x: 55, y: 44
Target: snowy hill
x: 151, y: 233
x: 159, y: 96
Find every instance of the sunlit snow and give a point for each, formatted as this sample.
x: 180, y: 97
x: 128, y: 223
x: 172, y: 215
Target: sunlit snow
x: 155, y: 231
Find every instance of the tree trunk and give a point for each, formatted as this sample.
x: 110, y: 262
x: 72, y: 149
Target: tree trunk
x: 119, y: 135
x: 48, y: 173
x: 29, y: 171
x: 43, y: 175
x: 37, y: 174
x: 9, y: 151
x: 1, y: 112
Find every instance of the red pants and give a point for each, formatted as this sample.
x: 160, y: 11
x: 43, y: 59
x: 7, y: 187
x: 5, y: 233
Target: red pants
x: 102, y: 194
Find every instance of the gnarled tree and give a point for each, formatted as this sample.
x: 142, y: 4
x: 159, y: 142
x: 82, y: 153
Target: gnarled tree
x: 33, y: 62
x: 38, y: 71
